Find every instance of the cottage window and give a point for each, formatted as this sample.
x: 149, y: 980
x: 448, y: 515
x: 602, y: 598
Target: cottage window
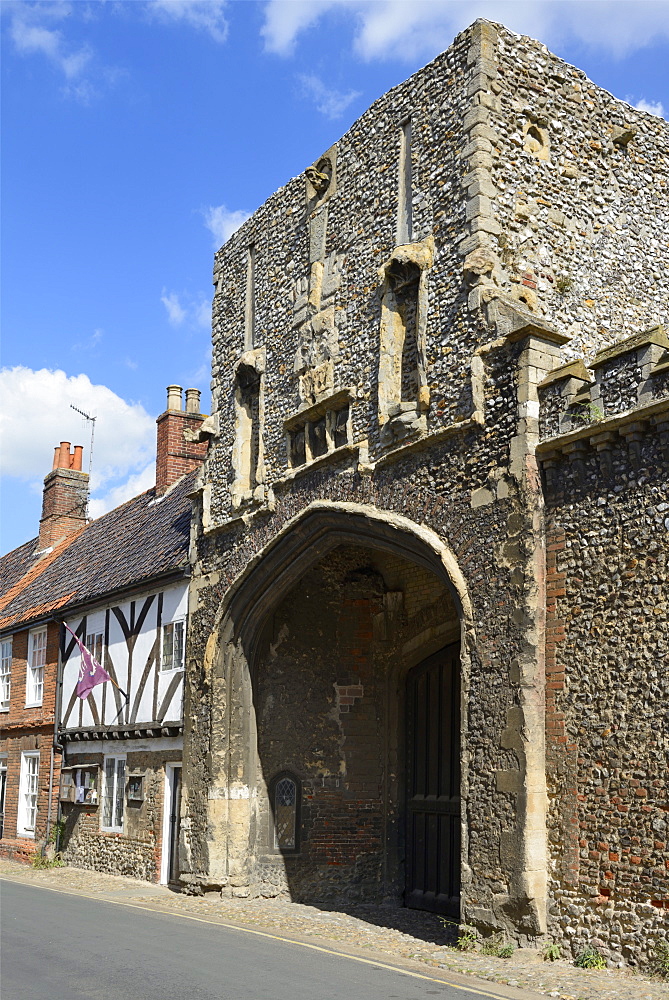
x: 5, y: 673
x: 28, y: 785
x: 94, y: 646
x: 114, y: 787
x: 285, y: 801
x: 172, y: 651
x: 36, y: 663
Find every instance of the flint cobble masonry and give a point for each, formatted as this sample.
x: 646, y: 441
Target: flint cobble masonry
x: 440, y: 351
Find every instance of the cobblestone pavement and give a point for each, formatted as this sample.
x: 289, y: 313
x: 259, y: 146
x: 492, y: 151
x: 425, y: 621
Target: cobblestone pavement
x: 396, y: 933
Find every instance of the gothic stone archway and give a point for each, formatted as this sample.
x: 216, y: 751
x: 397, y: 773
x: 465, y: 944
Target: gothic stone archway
x: 315, y: 648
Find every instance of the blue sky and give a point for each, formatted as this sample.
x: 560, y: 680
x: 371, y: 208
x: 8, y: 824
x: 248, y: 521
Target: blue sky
x: 138, y: 134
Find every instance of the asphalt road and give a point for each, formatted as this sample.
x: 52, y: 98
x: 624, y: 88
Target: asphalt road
x: 57, y: 946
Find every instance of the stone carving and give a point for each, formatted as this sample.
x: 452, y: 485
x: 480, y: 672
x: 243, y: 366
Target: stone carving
x: 316, y: 382
x: 319, y: 179
x: 314, y: 315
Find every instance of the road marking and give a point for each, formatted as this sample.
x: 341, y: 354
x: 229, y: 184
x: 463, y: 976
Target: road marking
x: 264, y: 934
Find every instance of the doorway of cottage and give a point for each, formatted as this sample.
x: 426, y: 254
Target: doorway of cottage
x: 169, y: 867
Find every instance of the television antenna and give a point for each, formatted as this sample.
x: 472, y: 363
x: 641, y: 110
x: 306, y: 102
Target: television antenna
x: 91, y: 420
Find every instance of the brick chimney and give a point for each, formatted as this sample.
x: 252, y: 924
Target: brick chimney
x: 176, y: 454
x: 65, y: 496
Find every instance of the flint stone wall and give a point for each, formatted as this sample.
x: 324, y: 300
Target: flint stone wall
x: 137, y: 850
x: 536, y: 199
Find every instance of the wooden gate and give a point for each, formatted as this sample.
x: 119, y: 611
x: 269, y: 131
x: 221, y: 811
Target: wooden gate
x: 433, y: 784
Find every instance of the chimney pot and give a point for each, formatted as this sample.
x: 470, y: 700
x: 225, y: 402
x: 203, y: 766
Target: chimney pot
x: 174, y: 397
x: 64, y: 456
x: 65, y: 496
x: 192, y: 400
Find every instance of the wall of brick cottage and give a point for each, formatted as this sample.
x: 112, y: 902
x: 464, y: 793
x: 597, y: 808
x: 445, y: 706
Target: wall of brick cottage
x: 25, y: 730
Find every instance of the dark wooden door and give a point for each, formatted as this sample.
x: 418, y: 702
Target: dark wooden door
x: 433, y: 784
x: 175, y: 812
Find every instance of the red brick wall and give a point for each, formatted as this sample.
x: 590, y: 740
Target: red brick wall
x: 28, y: 729
x: 176, y: 456
x: 63, y: 505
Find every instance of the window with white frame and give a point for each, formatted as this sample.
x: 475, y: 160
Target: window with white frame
x: 172, y: 646
x: 35, y: 672
x: 113, y: 794
x: 28, y: 785
x: 94, y: 645
x: 5, y: 673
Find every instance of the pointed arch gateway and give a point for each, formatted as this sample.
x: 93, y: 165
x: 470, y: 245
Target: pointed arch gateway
x: 338, y: 659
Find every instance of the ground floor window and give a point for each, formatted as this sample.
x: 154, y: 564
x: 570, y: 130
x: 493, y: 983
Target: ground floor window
x: 28, y: 786
x: 113, y: 794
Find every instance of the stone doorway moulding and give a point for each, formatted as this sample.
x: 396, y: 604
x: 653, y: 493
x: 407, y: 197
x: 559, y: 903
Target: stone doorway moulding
x: 235, y: 642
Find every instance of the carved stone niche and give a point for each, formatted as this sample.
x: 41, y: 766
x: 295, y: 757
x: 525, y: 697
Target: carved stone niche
x: 247, y: 449
x: 404, y: 396
x: 321, y: 179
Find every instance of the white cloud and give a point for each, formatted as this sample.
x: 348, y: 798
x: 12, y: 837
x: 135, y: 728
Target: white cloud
x: 32, y: 32
x: 420, y: 29
x: 204, y: 15
x: 331, y: 103
x: 35, y: 415
x: 203, y: 314
x: 176, y: 313
x: 186, y: 308
x: 222, y: 222
x: 652, y: 107
x: 89, y: 344
x: 286, y: 19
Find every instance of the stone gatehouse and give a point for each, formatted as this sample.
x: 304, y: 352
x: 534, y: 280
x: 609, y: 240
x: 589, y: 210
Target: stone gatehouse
x: 427, y: 653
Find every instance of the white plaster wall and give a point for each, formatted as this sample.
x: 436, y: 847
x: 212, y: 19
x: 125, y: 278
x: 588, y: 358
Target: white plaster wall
x: 136, y: 665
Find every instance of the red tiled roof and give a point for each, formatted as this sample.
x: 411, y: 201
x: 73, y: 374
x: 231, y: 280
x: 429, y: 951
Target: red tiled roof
x: 144, y: 538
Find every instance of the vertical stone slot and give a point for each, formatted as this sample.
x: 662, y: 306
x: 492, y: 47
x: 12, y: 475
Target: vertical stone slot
x: 246, y: 451
x: 402, y: 304
x: 405, y: 188
x: 250, y: 309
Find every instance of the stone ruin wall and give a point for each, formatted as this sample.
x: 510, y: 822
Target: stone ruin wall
x: 525, y: 175
x: 607, y: 698
x: 605, y: 456
x: 359, y: 222
x: 573, y: 197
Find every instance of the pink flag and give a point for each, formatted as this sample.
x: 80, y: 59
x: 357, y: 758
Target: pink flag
x: 91, y: 673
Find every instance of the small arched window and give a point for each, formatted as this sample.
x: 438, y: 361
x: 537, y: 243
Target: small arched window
x: 285, y: 808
